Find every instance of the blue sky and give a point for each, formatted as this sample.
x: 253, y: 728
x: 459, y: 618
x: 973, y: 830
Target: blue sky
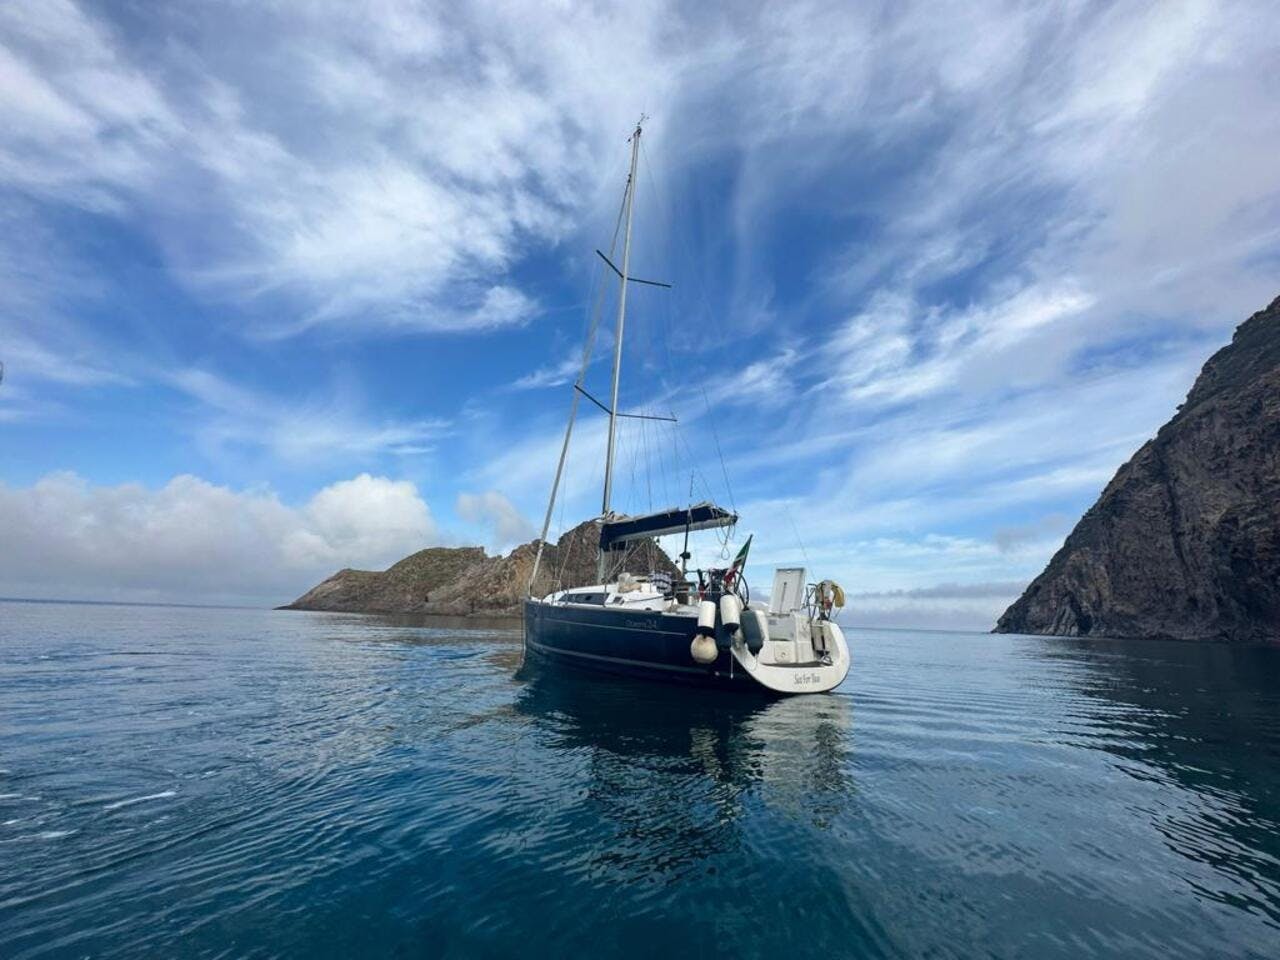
x: 291, y: 287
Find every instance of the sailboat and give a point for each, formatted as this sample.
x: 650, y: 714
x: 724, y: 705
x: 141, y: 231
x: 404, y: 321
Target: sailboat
x: 672, y: 628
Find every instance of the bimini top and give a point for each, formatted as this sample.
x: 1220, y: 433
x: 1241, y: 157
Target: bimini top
x: 617, y: 531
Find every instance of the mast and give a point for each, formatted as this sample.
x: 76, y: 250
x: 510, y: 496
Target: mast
x: 622, y: 317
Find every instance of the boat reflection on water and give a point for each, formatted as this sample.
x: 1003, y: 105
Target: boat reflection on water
x: 647, y: 745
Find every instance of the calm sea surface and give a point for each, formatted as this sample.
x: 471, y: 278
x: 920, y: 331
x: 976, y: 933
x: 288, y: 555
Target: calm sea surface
x: 191, y: 782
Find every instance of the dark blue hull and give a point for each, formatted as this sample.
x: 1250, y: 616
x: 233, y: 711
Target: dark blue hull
x: 641, y: 644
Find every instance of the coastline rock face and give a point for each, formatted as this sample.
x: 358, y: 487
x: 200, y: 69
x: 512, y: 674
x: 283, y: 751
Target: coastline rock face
x: 465, y: 581
x: 1184, y: 542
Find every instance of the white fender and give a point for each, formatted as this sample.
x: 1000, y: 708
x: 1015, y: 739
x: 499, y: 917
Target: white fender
x: 703, y: 649
x: 707, y: 618
x: 730, y: 613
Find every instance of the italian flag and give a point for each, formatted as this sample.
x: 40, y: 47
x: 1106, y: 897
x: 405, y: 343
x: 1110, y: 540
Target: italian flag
x: 739, y: 562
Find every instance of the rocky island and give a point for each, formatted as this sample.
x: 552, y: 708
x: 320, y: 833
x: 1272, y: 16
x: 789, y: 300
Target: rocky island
x: 1184, y: 542
x: 465, y: 581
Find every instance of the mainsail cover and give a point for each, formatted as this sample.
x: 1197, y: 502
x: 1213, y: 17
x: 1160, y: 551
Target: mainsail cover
x: 616, y: 532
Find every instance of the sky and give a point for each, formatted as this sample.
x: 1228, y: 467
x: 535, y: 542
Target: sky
x: 289, y: 287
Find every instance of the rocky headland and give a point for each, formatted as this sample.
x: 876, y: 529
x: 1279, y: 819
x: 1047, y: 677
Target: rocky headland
x: 465, y: 581
x: 1184, y: 542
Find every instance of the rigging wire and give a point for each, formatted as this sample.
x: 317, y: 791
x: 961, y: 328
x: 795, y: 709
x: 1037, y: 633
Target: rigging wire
x: 686, y: 247
x: 796, y: 530
x: 660, y: 447
x: 634, y: 451
x: 670, y: 220
x: 648, y: 463
x: 668, y: 333
x: 563, y: 554
x: 588, y: 345
x: 715, y: 434
x: 694, y: 472
x: 648, y: 168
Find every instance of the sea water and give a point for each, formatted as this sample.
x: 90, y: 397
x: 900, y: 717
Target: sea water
x: 240, y: 783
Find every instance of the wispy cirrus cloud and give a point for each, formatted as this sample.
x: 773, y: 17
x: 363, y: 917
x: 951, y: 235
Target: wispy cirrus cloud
x: 408, y: 210
x: 231, y: 416
x: 72, y: 365
x: 46, y: 352
x: 554, y: 375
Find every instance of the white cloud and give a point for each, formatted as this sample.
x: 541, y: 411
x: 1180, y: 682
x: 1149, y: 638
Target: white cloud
x: 40, y: 348
x: 898, y: 351
x: 191, y: 540
x: 385, y: 168
x: 555, y: 375
x: 762, y: 383
x: 506, y: 524
x: 370, y: 517
x: 391, y: 166
x: 1102, y: 166
x: 299, y: 432
x: 80, y: 122
x: 27, y: 359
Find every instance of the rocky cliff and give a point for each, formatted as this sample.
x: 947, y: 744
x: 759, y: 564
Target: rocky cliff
x: 465, y: 581
x: 1185, y: 540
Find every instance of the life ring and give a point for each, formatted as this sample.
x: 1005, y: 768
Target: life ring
x: 830, y: 594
